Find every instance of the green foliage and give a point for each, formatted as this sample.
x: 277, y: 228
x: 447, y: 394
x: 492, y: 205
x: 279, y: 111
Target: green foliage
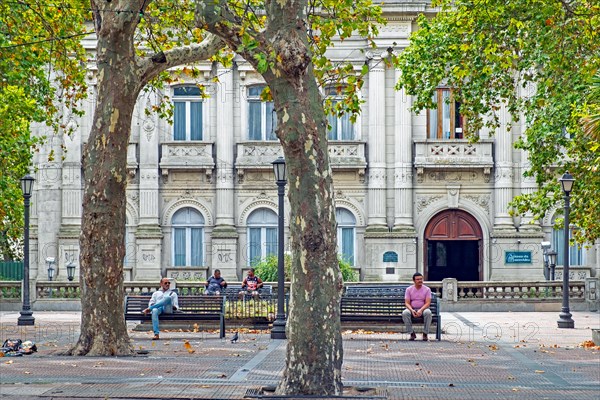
x: 266, y: 269
x: 538, y: 59
x: 42, y: 76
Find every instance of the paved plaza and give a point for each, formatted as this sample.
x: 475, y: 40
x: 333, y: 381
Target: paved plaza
x: 481, y: 356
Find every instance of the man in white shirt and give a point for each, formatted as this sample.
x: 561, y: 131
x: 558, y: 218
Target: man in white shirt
x: 164, y: 300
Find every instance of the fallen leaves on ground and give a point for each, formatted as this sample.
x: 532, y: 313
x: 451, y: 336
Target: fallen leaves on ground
x: 188, y: 347
x: 590, y: 345
x: 493, y: 347
x: 539, y: 371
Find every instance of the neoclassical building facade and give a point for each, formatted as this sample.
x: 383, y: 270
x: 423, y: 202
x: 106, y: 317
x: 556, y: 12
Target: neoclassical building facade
x: 411, y: 193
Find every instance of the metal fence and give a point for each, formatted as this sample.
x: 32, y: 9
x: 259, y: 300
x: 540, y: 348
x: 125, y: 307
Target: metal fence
x: 11, y: 270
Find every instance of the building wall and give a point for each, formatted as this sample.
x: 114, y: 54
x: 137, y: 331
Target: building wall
x: 392, y: 178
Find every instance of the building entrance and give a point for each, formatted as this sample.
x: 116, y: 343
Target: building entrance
x: 453, y: 241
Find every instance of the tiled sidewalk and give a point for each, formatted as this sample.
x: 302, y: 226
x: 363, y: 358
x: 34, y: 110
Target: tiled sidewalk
x: 482, y: 355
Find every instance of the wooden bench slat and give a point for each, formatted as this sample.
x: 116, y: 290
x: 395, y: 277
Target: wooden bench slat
x: 191, y: 308
x: 383, y: 308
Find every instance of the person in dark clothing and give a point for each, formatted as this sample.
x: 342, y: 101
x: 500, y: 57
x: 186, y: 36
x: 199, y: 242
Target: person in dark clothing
x: 250, y: 285
x: 215, y: 284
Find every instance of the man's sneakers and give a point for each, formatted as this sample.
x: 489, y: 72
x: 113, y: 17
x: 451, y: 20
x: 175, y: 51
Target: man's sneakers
x: 156, y: 337
x: 413, y: 336
x: 425, y: 337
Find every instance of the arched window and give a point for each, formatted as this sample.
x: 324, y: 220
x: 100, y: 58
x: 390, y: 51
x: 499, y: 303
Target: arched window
x: 262, y: 119
x: 188, y: 238
x: 340, y: 127
x: 576, y: 253
x: 262, y: 235
x: 187, y: 114
x: 346, y: 232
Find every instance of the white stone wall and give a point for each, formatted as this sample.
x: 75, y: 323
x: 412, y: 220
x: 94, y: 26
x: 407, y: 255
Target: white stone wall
x: 392, y: 178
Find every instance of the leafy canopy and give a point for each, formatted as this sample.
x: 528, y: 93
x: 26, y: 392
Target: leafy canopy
x: 538, y: 58
x: 42, y: 75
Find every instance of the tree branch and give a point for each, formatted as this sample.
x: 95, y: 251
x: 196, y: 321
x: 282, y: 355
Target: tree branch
x: 150, y: 67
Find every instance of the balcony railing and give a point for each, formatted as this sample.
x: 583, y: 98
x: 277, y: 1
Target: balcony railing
x: 187, y: 156
x: 455, y: 153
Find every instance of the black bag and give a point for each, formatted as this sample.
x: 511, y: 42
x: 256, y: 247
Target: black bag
x: 11, y: 345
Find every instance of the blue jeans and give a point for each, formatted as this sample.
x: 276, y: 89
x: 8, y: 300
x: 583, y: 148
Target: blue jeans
x: 158, y: 309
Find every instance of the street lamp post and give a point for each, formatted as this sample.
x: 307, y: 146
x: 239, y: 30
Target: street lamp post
x: 552, y: 260
x: 565, y: 320
x: 545, y: 248
x: 278, y: 331
x: 50, y: 261
x: 70, y: 266
x: 26, y: 317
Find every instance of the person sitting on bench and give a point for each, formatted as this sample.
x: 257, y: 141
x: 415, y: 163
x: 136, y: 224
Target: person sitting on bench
x: 417, y: 299
x: 250, y: 285
x: 215, y: 284
x: 164, y: 300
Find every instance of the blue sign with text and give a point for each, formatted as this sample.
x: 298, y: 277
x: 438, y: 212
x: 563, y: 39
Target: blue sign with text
x: 517, y: 257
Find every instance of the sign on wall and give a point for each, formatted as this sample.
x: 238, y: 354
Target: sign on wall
x: 517, y: 257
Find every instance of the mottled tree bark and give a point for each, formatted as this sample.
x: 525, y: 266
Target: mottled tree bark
x: 120, y: 78
x: 314, y: 348
x: 102, y: 244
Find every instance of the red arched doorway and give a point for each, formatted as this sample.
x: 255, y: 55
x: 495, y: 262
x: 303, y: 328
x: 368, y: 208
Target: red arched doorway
x: 453, y: 242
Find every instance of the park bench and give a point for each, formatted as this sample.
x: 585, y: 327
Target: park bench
x: 232, y: 291
x: 191, y: 308
x: 375, y: 290
x: 385, y: 308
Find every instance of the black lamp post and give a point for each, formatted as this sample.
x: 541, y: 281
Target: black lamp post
x: 552, y: 261
x: 545, y: 248
x: 70, y: 266
x: 278, y: 331
x: 50, y: 261
x: 26, y: 317
x: 565, y: 320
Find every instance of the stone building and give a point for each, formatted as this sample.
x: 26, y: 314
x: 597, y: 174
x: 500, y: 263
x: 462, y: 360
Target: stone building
x: 411, y: 193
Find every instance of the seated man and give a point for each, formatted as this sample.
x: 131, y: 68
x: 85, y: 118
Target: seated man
x: 250, y: 285
x: 417, y: 299
x: 164, y: 300
x: 215, y: 284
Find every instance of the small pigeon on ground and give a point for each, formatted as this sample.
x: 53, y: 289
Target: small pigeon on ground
x: 235, y: 338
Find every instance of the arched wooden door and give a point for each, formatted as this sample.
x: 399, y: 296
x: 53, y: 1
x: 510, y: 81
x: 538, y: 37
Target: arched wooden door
x: 453, y: 247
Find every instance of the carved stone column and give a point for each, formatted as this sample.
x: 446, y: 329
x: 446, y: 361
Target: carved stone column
x: 377, y: 145
x: 149, y: 233
x: 403, y: 186
x: 503, y: 175
x: 224, y: 235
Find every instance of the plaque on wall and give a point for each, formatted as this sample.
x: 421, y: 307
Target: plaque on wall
x: 517, y: 257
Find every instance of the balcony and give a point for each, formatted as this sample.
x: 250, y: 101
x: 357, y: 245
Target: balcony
x: 258, y: 155
x: 187, y: 156
x: 453, y: 154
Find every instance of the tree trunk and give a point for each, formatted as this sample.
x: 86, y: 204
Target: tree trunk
x: 102, y: 244
x: 314, y: 350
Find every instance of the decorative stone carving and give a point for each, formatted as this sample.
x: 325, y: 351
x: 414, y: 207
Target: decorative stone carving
x: 453, y: 194
x: 187, y: 156
x: 424, y: 201
x: 454, y: 153
x: 482, y: 200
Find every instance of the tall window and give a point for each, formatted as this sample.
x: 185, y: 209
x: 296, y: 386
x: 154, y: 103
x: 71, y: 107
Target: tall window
x: 188, y: 238
x: 262, y: 119
x: 187, y: 115
x: 576, y: 253
x: 262, y: 235
x: 346, y: 232
x: 445, y: 121
x: 340, y: 127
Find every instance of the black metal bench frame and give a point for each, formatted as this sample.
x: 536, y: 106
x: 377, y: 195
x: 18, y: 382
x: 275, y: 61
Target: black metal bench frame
x: 232, y: 292
x: 191, y: 308
x: 377, y: 306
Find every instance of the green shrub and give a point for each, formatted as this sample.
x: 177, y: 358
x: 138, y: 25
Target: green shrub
x: 266, y: 269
